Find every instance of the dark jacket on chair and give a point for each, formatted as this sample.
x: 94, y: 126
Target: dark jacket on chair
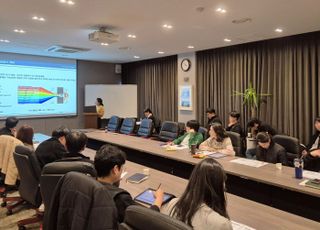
x: 81, y: 203
x: 50, y: 151
x: 274, y: 154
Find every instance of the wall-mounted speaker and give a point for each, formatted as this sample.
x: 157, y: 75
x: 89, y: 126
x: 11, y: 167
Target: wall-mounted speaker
x: 117, y: 69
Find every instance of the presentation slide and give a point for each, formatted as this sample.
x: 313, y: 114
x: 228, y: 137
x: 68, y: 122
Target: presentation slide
x: 37, y: 88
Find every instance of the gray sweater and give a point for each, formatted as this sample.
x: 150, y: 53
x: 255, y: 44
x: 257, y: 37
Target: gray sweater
x: 204, y: 219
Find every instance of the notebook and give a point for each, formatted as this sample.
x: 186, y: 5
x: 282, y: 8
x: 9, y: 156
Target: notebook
x: 147, y: 197
x: 314, y: 183
x: 216, y: 155
x: 137, y: 178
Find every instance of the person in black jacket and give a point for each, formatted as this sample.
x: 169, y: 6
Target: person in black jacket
x: 269, y: 151
x: 10, y: 126
x: 109, y: 163
x: 155, y: 122
x: 54, y: 148
x: 234, y: 124
x: 212, y: 117
x: 312, y: 154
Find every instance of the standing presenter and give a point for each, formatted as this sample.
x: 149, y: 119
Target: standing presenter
x: 100, y: 110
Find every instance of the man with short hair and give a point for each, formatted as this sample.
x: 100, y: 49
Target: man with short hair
x: 75, y: 143
x: 109, y: 164
x: 155, y: 122
x: 10, y: 127
x: 54, y: 148
x: 312, y: 155
x: 212, y: 117
x: 269, y: 151
x: 234, y: 124
x: 191, y: 137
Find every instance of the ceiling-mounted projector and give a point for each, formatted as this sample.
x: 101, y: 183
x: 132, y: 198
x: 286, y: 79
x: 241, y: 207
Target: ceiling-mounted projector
x: 103, y: 36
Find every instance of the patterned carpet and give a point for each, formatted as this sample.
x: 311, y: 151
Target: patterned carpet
x: 19, y: 213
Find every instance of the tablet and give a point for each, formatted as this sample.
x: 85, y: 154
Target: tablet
x: 147, y: 197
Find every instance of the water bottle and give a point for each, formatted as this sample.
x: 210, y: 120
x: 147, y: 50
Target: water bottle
x: 298, y: 167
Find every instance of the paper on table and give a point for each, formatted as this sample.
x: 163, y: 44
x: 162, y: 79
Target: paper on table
x: 175, y: 147
x: 311, y: 175
x: 239, y: 226
x: 249, y: 162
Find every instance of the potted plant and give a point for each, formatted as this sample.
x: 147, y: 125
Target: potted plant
x: 252, y: 99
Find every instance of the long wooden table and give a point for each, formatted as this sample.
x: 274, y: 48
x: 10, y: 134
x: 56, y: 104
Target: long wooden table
x: 267, y: 184
x: 241, y: 210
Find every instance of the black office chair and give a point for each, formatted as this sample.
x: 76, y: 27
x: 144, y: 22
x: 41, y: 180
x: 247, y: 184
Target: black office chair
x: 114, y: 124
x: 104, y: 123
x: 169, y: 131
x: 236, y: 142
x: 52, y: 172
x: 291, y: 145
x: 137, y: 218
x: 80, y: 202
x: 128, y: 126
x: 29, y: 171
x: 182, y: 128
x: 204, y: 132
x: 145, y: 129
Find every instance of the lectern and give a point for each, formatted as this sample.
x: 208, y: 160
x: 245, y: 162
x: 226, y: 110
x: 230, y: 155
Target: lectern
x: 90, y: 120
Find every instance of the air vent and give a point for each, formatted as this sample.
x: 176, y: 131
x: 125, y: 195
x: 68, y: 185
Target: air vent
x: 66, y: 49
x: 242, y: 20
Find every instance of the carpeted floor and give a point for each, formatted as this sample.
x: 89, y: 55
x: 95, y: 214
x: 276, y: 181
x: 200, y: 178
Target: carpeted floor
x: 20, y: 213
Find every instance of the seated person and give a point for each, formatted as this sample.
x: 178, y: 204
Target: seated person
x: 10, y: 127
x: 109, y: 164
x: 255, y: 126
x: 25, y: 134
x: 269, y: 151
x: 212, y: 117
x: 234, y: 124
x: 218, y: 141
x: 312, y: 154
x: 191, y: 137
x: 155, y: 122
x: 203, y: 203
x: 54, y: 148
x: 75, y: 143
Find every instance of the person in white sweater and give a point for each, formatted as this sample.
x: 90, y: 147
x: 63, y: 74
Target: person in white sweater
x: 203, y: 203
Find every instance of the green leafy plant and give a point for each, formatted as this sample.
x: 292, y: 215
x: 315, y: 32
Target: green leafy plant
x: 252, y: 99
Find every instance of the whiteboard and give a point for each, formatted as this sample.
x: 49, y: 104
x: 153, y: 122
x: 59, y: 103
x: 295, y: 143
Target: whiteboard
x: 119, y: 100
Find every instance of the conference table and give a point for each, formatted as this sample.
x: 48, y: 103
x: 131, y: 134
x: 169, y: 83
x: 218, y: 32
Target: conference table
x: 241, y: 210
x: 267, y: 184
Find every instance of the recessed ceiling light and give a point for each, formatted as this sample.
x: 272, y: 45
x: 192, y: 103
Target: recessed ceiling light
x: 278, y: 30
x: 221, y: 10
x: 131, y: 36
x: 167, y: 26
x: 69, y: 2
x: 104, y: 44
x: 227, y: 40
x: 136, y: 57
x: 190, y: 47
x: 19, y: 31
x: 36, y: 18
x: 4, y: 40
x: 160, y: 52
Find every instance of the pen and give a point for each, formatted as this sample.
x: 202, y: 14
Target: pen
x: 159, y: 186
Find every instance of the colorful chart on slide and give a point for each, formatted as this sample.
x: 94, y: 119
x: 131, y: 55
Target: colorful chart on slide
x: 39, y: 95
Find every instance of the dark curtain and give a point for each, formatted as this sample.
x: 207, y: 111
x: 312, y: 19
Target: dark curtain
x: 157, y: 85
x: 287, y: 68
